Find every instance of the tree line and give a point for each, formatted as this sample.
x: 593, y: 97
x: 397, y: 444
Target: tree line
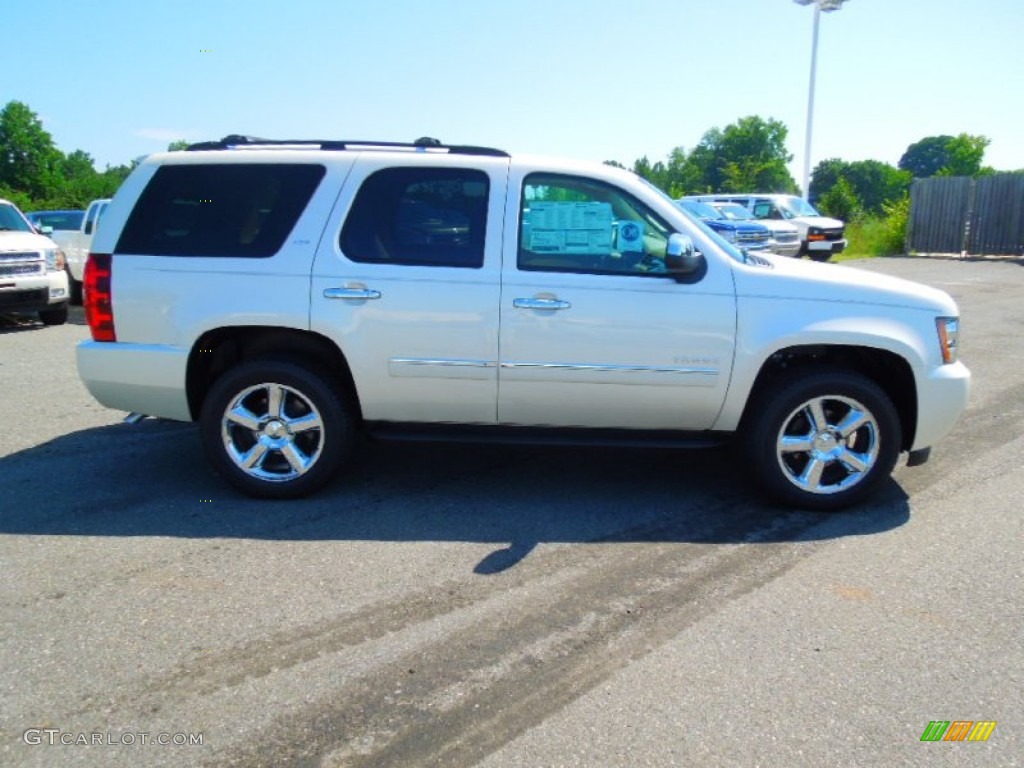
x: 748, y: 155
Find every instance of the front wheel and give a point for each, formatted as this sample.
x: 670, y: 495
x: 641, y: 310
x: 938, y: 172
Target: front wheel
x: 57, y: 316
x: 276, y: 429
x: 822, y: 439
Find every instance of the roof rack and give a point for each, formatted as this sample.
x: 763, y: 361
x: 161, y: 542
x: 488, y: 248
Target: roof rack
x: 424, y: 144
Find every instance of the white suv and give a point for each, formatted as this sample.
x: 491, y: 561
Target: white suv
x: 291, y: 295
x: 32, y: 276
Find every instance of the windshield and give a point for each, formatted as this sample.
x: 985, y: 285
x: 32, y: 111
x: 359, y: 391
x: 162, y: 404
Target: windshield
x: 11, y: 219
x: 733, y: 252
x: 56, y: 219
x: 734, y: 211
x: 797, y: 206
x: 700, y: 210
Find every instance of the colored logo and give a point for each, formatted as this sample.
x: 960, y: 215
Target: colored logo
x: 630, y: 232
x: 958, y: 730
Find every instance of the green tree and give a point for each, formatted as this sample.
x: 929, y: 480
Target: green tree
x: 749, y: 155
x: 29, y: 161
x: 178, y: 146
x: 872, y: 182
x: 964, y: 154
x: 959, y: 155
x: 840, y: 201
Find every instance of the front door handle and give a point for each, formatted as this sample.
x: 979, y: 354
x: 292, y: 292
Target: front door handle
x: 540, y: 304
x: 351, y: 293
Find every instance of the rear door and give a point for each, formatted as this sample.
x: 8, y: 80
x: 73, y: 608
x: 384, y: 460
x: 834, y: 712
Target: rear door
x: 406, y: 282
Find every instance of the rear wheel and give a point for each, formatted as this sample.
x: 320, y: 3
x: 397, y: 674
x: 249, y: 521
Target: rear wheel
x: 822, y: 439
x: 276, y: 429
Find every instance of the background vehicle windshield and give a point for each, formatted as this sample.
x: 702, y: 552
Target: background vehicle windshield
x: 11, y: 219
x: 797, y: 206
x: 56, y: 219
x: 700, y: 210
x: 734, y: 211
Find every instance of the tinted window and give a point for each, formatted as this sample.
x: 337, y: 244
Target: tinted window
x: 573, y: 224
x: 419, y: 216
x: 219, y: 210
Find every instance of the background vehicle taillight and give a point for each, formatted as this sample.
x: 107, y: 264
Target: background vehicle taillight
x: 99, y: 301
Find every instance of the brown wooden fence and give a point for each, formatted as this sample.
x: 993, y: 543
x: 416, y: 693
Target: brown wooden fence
x: 981, y: 217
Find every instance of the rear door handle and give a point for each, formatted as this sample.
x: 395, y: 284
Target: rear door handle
x: 351, y: 293
x: 541, y: 304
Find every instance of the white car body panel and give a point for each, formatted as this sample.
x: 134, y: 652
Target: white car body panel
x: 426, y: 350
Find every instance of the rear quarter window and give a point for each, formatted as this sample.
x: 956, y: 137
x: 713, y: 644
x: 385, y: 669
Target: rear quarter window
x: 241, y: 210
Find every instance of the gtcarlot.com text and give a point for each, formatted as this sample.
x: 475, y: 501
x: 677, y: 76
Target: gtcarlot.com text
x: 55, y: 737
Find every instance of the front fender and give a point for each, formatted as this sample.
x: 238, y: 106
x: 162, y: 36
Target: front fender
x: 767, y: 326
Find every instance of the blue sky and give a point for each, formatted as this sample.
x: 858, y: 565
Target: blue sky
x: 591, y: 79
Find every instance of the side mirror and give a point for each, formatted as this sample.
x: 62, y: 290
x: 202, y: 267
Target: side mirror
x: 683, y: 260
x: 45, y: 230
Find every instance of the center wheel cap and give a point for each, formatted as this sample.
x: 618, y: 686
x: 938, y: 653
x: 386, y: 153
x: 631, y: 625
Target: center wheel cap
x: 275, y: 429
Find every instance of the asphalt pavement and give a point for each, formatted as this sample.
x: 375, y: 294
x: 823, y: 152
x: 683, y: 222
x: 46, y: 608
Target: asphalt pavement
x: 452, y: 605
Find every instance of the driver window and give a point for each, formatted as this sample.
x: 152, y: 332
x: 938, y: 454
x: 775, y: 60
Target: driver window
x: 571, y: 224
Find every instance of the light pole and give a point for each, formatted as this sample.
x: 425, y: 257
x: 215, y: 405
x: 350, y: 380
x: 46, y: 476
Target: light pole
x: 819, y: 6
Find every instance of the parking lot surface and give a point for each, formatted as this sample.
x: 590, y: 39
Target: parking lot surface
x: 452, y: 605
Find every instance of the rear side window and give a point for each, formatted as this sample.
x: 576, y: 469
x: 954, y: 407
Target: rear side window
x: 219, y: 210
x: 419, y: 216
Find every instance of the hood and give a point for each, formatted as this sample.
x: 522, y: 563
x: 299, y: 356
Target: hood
x: 820, y: 221
x: 24, y: 241
x: 798, y: 280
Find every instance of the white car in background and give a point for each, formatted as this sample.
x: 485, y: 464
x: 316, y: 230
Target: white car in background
x: 785, y: 239
x: 820, y: 236
x: 32, y: 276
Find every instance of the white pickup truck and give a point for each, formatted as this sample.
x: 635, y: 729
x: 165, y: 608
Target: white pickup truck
x: 32, y: 277
x: 76, y: 245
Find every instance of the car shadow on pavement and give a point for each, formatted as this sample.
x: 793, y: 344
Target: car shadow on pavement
x: 152, y: 479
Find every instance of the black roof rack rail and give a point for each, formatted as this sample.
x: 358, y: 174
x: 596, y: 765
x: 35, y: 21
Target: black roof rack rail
x: 424, y: 143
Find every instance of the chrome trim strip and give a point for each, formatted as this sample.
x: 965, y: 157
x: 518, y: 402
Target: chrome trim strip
x: 615, y: 368
x: 443, y: 362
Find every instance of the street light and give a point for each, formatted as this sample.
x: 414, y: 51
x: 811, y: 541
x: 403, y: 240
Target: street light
x: 819, y: 6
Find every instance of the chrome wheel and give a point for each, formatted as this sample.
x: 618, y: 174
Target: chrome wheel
x: 272, y: 432
x: 828, y: 444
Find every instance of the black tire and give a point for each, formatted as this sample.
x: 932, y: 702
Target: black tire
x: 313, y: 423
x: 820, y: 255
x: 808, y: 447
x: 74, y: 291
x: 57, y: 316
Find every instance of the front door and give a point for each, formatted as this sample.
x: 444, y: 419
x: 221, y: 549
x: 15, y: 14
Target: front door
x: 594, y: 331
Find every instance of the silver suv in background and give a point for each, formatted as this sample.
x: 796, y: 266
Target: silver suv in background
x: 820, y: 236
x: 785, y: 237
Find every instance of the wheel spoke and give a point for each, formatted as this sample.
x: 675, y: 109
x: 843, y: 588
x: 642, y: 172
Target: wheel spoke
x: 854, y: 420
x: 855, y: 462
x: 796, y: 443
x: 254, y: 456
x: 243, y: 417
x: 275, y: 400
x: 297, y: 460
x: 816, y: 415
x: 305, y: 423
x: 810, y: 478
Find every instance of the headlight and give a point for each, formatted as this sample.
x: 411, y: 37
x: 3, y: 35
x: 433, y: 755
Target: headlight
x: 949, y: 337
x: 54, y: 259
x: 730, y: 235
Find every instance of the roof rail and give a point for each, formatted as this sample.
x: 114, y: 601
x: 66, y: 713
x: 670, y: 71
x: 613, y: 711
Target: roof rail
x: 423, y: 144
